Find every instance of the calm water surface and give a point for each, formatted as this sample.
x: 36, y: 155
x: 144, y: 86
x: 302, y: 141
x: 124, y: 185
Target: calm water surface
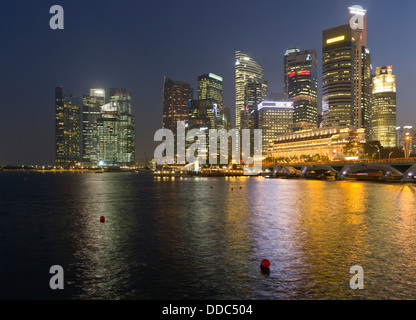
x: 173, y: 238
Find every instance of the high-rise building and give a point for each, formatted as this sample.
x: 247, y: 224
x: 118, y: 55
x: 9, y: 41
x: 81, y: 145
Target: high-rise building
x: 246, y: 70
x: 91, y: 113
x: 210, y: 86
x: 254, y: 93
x: 346, y: 74
x: 301, y: 86
x: 67, y: 129
x: 274, y: 118
x: 176, y: 97
x: 383, y: 119
x: 115, y: 127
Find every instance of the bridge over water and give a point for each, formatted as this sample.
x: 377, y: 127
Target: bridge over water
x: 403, y: 170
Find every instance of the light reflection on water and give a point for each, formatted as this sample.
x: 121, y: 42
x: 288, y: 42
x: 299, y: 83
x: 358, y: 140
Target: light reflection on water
x: 179, y: 238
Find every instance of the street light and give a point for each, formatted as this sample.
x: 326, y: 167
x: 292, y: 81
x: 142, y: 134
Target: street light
x: 379, y: 156
x: 390, y: 154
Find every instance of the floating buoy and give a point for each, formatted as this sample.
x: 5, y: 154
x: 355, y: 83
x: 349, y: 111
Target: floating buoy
x: 212, y: 187
x: 102, y: 219
x: 64, y: 187
x: 232, y: 188
x: 25, y: 179
x: 144, y: 187
x: 265, y: 264
x: 241, y: 187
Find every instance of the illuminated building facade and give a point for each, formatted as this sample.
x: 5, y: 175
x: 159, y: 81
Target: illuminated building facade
x: 346, y: 74
x: 115, y: 127
x: 67, y: 129
x: 210, y: 86
x: 323, y: 143
x: 274, y: 118
x: 383, y: 120
x: 246, y: 70
x: 91, y: 113
x: 301, y: 86
x: 254, y: 93
x: 176, y: 97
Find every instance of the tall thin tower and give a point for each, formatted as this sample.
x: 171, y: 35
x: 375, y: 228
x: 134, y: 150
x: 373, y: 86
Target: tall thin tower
x: 246, y: 70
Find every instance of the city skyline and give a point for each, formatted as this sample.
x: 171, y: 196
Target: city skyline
x: 31, y: 140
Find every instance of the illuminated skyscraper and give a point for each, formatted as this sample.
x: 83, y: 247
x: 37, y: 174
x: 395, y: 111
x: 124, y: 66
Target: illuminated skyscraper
x: 346, y: 74
x: 176, y: 97
x: 254, y: 93
x: 67, y: 129
x: 274, y: 118
x: 210, y: 86
x: 246, y: 70
x: 383, y: 120
x: 91, y: 113
x: 301, y: 86
x: 116, y: 137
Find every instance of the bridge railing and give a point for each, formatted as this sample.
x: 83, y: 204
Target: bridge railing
x: 395, y: 160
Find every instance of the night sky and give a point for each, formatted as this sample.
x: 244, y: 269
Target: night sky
x: 133, y: 44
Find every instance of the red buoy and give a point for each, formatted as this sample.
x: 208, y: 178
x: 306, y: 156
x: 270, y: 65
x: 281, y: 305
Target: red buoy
x: 64, y: 187
x: 232, y: 188
x: 102, y: 219
x: 241, y: 187
x: 212, y: 187
x: 265, y: 263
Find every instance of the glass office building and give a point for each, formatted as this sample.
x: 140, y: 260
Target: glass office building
x: 67, y: 129
x: 383, y: 120
x: 246, y: 70
x: 301, y: 86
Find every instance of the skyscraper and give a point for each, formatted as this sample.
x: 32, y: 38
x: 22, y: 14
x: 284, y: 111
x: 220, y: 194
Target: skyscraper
x: 346, y: 74
x: 383, y: 120
x: 91, y: 113
x: 176, y: 97
x: 115, y: 128
x: 274, y: 118
x: 246, y: 70
x: 301, y: 86
x: 67, y: 129
x: 254, y: 93
x: 210, y: 86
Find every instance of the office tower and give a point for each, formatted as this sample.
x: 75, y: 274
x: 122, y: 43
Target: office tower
x: 346, y: 74
x: 383, y: 120
x: 91, y: 113
x: 357, y: 18
x: 176, y: 97
x: 67, y: 129
x: 301, y: 86
x: 274, y: 118
x: 126, y: 126
x: 202, y: 114
x: 254, y: 93
x: 115, y: 129
x: 210, y: 86
x: 246, y: 70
